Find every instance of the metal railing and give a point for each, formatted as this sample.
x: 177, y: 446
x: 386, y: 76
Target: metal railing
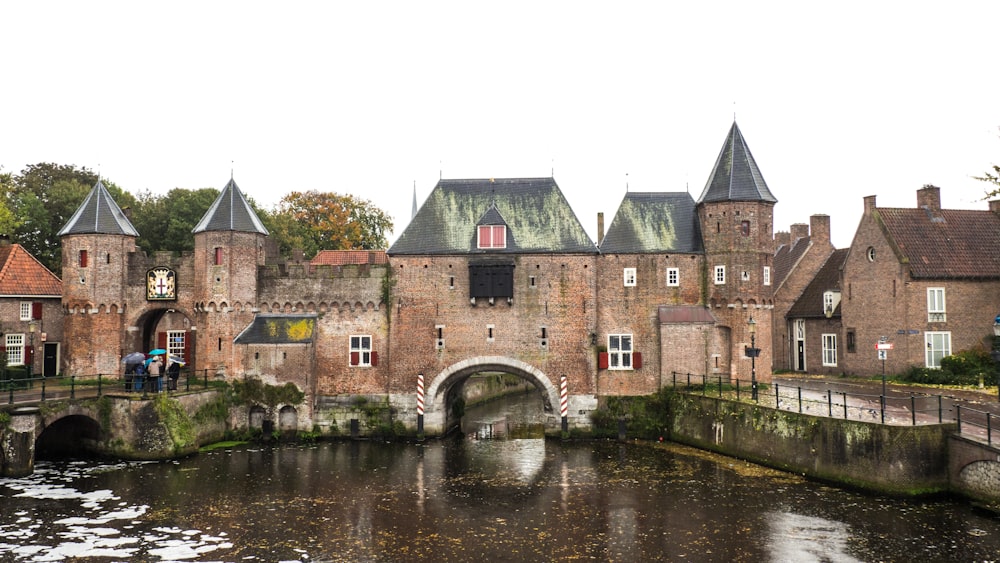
x: 974, y: 422
x: 915, y: 409
x: 42, y: 389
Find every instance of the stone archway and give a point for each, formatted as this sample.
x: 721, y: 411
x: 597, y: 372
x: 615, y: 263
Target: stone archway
x: 436, y: 408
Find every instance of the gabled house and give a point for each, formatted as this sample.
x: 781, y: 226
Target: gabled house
x: 926, y: 280
x: 30, y: 311
x: 813, y: 322
x: 798, y: 258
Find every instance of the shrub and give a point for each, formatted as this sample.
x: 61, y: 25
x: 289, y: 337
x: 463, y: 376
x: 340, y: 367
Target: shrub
x: 963, y: 368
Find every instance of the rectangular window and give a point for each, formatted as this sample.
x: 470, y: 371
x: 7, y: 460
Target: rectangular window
x: 83, y: 258
x: 829, y: 349
x: 851, y: 341
x: 745, y: 228
x: 720, y: 275
x: 176, y: 343
x: 491, y: 280
x: 492, y: 236
x: 489, y: 333
x: 25, y: 310
x: 361, y: 350
x: 938, y: 346
x: 218, y: 256
x: 767, y: 275
x: 673, y: 277
x: 619, y: 351
x: 629, y: 277
x: 439, y: 341
x: 15, y: 349
x: 935, y: 305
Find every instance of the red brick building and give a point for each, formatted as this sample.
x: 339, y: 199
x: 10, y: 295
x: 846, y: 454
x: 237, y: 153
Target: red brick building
x: 30, y: 307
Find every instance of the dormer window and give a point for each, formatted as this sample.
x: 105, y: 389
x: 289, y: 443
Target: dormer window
x: 492, y: 236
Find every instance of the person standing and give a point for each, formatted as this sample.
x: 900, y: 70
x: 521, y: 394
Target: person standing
x: 155, y: 374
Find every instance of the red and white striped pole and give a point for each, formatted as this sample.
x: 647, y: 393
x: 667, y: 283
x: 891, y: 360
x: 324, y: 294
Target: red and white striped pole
x: 420, y: 404
x: 564, y: 402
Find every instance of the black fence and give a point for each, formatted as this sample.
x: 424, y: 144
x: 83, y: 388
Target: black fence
x: 977, y: 423
x: 912, y: 409
x: 41, y: 389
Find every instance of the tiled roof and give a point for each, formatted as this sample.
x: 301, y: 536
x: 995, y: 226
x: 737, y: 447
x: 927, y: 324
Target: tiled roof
x: 21, y: 274
x: 537, y: 215
x: 681, y: 314
x: 279, y: 329
x: 230, y: 212
x: 99, y: 214
x: 654, y: 222
x: 344, y: 257
x: 736, y: 176
x: 786, y: 257
x: 810, y: 303
x: 952, y: 243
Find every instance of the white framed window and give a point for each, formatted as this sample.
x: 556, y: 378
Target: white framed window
x: 935, y: 305
x: 767, y: 275
x: 619, y: 351
x: 176, y: 342
x: 492, y: 236
x: 629, y: 277
x: 15, y: 349
x: 361, y: 350
x: 829, y: 349
x: 720, y: 275
x: 938, y: 345
x: 673, y: 277
x: 25, y: 310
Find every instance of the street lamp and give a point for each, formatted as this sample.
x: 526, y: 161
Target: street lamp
x: 752, y: 329
x: 32, y: 325
x: 995, y: 350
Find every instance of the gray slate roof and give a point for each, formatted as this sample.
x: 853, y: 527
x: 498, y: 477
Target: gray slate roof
x: 654, y: 222
x: 736, y: 176
x: 230, y: 212
x: 279, y: 329
x: 537, y: 215
x: 99, y: 214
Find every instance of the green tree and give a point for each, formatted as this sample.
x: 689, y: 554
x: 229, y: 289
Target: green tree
x: 991, y: 177
x: 166, y: 222
x: 8, y: 221
x: 314, y: 221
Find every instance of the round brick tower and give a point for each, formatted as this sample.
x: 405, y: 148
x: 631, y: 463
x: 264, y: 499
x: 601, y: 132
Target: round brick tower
x: 736, y: 212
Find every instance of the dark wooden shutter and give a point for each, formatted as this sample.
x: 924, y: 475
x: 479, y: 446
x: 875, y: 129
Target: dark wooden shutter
x: 636, y: 360
x: 355, y: 358
x: 36, y: 311
x: 602, y: 360
x: 161, y: 340
x: 374, y: 359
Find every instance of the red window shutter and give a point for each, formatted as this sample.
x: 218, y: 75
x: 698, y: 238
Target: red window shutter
x: 83, y: 258
x: 374, y: 358
x: 636, y: 360
x: 161, y: 340
x: 355, y: 358
x: 36, y: 311
x: 218, y: 255
x: 602, y: 360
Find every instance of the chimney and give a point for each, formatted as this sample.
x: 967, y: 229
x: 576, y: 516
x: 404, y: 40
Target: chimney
x: 995, y: 205
x: 4, y: 240
x: 929, y: 198
x: 799, y: 230
x: 869, y: 204
x: 600, y: 228
x: 819, y: 226
x: 782, y: 238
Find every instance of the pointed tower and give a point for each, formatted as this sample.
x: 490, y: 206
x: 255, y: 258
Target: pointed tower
x: 736, y: 212
x: 228, y: 249
x: 96, y: 244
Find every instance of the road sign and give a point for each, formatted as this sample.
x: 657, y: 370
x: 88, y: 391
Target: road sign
x: 883, y: 346
x: 881, y: 355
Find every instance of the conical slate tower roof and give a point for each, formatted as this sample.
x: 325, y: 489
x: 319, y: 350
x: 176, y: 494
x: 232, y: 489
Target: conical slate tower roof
x: 230, y: 212
x: 99, y: 214
x: 735, y: 176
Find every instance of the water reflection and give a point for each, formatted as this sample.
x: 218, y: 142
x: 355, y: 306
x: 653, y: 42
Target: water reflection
x: 463, y: 499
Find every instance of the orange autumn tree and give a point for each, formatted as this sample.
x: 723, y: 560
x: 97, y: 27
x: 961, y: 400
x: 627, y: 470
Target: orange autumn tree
x: 314, y: 221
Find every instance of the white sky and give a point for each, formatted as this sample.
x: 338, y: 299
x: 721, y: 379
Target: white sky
x: 837, y: 100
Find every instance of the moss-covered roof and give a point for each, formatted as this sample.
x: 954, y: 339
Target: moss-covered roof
x: 654, y: 222
x: 279, y: 329
x: 537, y: 215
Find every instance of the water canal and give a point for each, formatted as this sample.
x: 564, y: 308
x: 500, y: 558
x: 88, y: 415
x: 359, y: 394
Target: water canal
x: 467, y: 499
